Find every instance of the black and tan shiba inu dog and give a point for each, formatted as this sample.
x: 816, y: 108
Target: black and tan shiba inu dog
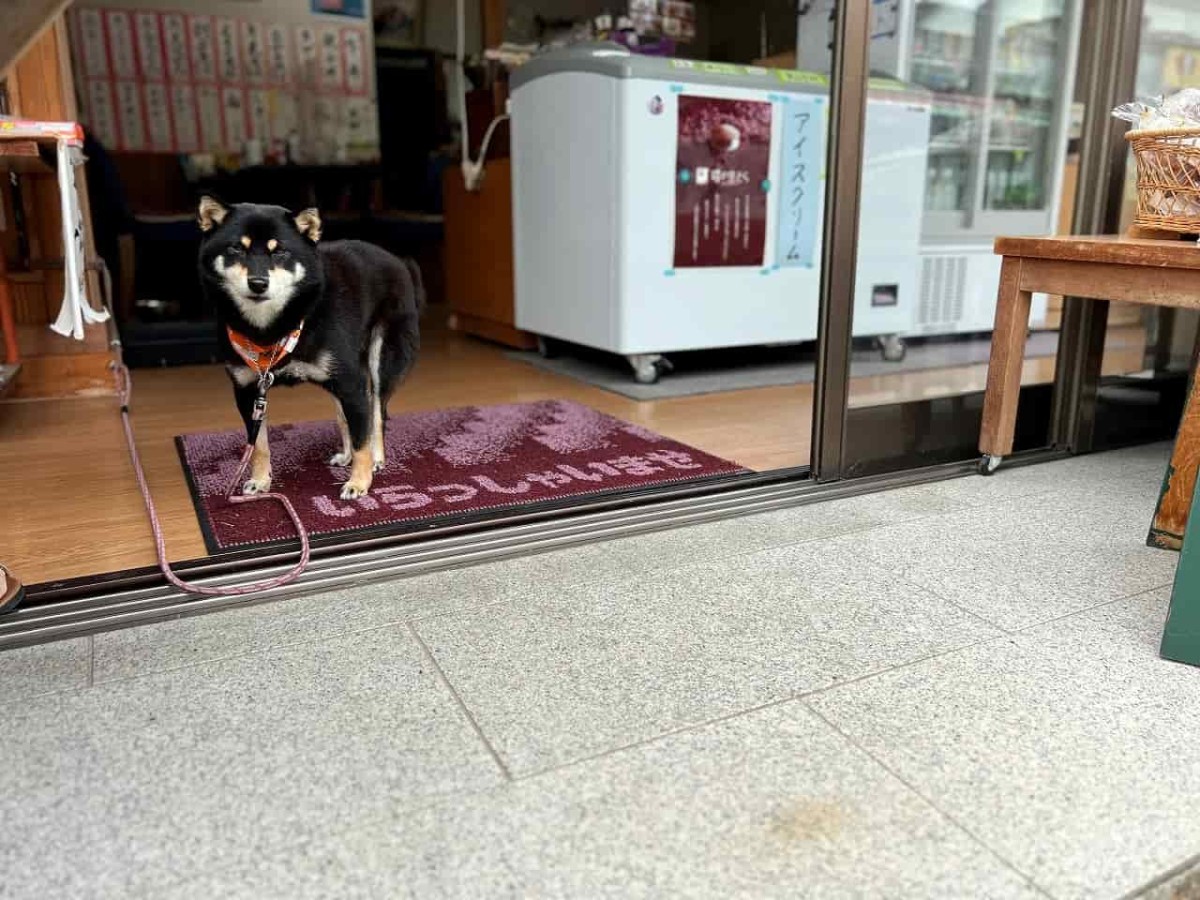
x: 343, y: 315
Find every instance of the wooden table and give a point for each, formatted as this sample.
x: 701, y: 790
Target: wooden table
x: 1146, y: 271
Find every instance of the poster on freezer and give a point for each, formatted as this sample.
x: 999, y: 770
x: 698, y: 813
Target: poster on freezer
x: 800, y: 188
x: 722, y: 170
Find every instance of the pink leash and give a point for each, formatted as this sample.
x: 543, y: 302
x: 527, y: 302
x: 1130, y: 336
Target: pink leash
x: 125, y: 391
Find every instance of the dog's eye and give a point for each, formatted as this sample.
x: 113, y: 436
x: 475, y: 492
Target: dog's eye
x: 235, y: 250
x: 280, y: 256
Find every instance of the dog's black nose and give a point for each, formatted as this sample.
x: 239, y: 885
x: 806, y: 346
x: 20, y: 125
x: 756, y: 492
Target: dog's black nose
x: 258, y: 284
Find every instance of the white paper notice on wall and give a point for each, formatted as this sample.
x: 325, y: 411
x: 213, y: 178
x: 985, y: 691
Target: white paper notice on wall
x: 176, y: 41
x: 353, y: 41
x: 120, y: 45
x: 285, y: 117
x: 307, y: 54
x: 183, y: 113
x: 129, y: 115
x: 253, y: 52
x: 361, y: 126
x: 204, y: 48
x: 103, y: 114
x: 331, y: 59
x: 228, y: 65
x: 323, y: 126
x: 260, y: 115
x: 233, y: 112
x: 149, y: 45
x: 208, y: 105
x: 158, y: 117
x: 91, y: 37
x: 278, y: 57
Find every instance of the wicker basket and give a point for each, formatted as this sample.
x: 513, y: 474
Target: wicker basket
x: 1168, y: 178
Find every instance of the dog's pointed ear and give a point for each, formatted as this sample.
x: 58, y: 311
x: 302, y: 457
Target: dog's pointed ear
x: 211, y: 213
x: 308, y: 222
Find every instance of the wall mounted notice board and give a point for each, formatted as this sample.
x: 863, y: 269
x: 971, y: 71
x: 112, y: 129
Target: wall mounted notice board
x: 174, y: 76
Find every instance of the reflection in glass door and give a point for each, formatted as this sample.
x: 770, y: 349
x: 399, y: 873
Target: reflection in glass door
x: 997, y: 77
x: 1148, y: 351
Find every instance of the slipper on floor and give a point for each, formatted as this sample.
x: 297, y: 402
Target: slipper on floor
x: 14, y: 592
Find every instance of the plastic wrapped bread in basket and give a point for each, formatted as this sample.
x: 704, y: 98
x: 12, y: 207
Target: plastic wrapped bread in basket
x: 1166, y: 151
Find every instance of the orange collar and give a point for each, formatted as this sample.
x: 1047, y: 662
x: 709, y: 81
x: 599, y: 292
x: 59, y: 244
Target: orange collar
x: 262, y: 359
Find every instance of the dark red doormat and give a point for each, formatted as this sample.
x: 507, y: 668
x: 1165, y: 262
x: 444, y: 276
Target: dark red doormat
x: 449, y: 462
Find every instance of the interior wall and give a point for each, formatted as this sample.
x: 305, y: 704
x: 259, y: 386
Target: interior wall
x: 23, y: 23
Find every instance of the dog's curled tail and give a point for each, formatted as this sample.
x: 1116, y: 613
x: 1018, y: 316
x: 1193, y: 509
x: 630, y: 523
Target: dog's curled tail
x: 414, y: 271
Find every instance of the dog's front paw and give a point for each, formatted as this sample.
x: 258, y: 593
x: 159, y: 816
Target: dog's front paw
x: 355, y: 488
x: 340, y: 459
x: 377, y: 465
x: 257, y: 485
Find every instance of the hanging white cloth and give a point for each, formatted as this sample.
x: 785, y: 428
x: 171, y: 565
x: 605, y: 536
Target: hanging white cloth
x: 76, y: 311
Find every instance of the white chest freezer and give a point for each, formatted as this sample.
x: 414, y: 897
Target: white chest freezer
x: 664, y: 205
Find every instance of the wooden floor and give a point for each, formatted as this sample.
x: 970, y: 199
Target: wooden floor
x: 69, y: 505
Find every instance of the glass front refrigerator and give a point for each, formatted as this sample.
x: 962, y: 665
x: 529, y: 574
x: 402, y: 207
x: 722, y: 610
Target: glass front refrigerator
x: 1002, y: 74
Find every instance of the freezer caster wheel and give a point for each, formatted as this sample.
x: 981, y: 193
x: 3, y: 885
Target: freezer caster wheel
x: 648, y: 367
x: 547, y: 348
x: 892, y: 348
x: 988, y: 464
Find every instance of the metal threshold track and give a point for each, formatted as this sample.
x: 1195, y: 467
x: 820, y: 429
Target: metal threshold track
x: 430, y: 553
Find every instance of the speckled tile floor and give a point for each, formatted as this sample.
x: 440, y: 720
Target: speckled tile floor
x: 944, y: 691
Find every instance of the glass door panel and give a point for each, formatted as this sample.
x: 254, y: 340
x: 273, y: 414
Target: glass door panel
x: 946, y: 59
x: 1025, y: 103
x: 998, y: 79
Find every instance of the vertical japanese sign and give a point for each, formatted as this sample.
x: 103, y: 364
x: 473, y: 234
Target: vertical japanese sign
x: 129, y: 114
x: 800, y: 171
x: 204, y: 53
x: 149, y: 45
x: 176, y: 41
x: 278, y: 61
x: 120, y: 45
x: 158, y: 117
x: 103, y: 112
x: 186, y: 118
x: 254, y: 54
x: 208, y: 108
x: 722, y: 167
x: 307, y: 53
x: 93, y: 46
x: 355, y: 57
x: 331, y: 59
x: 228, y: 58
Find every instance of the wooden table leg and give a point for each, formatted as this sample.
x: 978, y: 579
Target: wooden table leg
x: 1175, y: 499
x: 1004, y: 370
x: 12, y: 354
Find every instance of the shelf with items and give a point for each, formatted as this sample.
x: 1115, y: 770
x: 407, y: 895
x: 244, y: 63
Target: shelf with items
x: 39, y: 87
x: 947, y: 183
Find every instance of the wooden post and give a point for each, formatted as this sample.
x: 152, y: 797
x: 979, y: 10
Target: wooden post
x: 494, y: 15
x: 1181, y: 635
x: 12, y: 355
x: 1175, y: 498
